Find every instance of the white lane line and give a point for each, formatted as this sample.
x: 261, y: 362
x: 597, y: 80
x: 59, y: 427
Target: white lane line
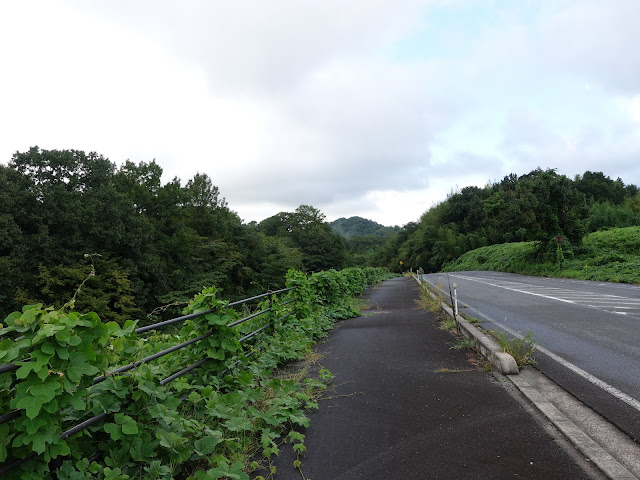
x: 590, y: 294
x: 605, y: 303
x: 514, y: 289
x: 620, y: 395
x: 586, y: 298
x: 616, y: 300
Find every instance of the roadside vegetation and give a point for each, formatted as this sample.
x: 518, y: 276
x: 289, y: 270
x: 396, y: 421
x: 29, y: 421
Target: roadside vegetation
x: 520, y: 348
x: 541, y: 223
x: 225, y: 420
x: 607, y: 256
x: 154, y: 244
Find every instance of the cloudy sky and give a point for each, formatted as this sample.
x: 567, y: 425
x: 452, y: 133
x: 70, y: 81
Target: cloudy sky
x: 373, y: 108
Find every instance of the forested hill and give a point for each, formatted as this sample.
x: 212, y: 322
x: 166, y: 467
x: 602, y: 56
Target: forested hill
x: 354, y: 226
x: 542, y: 206
x: 64, y: 213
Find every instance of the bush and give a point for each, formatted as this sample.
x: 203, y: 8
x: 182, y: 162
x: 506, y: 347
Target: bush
x: 204, y: 421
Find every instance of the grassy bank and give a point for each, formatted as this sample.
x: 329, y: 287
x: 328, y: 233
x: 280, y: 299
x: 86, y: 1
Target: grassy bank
x: 609, y: 256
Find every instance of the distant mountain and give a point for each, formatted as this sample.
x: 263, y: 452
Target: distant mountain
x: 357, y: 226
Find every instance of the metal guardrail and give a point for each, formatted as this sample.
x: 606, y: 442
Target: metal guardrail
x: 97, y: 418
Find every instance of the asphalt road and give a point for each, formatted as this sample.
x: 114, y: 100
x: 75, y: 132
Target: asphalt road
x: 588, y: 332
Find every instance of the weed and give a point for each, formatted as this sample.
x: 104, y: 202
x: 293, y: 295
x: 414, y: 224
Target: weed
x: 427, y: 302
x: 464, y: 344
x: 448, y: 323
x: 521, y: 349
x: 472, y: 320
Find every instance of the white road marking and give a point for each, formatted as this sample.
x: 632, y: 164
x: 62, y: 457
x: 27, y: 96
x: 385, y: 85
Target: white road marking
x: 598, y: 301
x: 620, y: 395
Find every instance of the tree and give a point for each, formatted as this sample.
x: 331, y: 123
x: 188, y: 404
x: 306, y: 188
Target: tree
x: 597, y: 187
x: 321, y: 247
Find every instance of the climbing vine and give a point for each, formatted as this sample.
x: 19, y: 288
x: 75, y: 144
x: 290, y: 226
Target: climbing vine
x: 223, y: 421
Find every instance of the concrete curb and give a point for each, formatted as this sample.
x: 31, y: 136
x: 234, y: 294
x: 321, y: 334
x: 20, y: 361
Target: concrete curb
x: 504, y: 362
x: 591, y: 450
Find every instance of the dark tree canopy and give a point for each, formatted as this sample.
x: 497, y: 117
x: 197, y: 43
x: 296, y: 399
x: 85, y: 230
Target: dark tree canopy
x: 154, y: 242
x: 539, y: 206
x: 306, y: 229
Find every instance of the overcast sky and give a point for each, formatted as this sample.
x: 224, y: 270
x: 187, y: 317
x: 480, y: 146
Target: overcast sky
x: 372, y: 108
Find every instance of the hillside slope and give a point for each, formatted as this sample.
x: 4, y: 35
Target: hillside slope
x: 357, y: 226
x: 607, y: 256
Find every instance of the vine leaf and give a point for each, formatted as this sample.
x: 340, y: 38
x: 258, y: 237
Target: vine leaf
x: 80, y: 367
x: 207, y: 445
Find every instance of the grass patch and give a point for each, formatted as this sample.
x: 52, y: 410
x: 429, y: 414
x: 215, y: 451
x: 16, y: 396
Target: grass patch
x: 448, y: 323
x: 464, y: 344
x: 521, y: 349
x: 472, y: 320
x: 606, y: 256
x: 427, y: 301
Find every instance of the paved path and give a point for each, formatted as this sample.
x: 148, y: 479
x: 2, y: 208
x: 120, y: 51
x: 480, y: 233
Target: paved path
x: 392, y: 416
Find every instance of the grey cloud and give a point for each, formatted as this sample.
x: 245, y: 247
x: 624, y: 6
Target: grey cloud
x: 598, y: 40
x: 342, y: 122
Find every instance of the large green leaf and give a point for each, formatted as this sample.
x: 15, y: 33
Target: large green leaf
x: 80, y: 367
x: 208, y: 444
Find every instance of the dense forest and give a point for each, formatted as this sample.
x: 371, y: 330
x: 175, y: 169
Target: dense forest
x: 65, y: 215
x: 541, y: 206
x: 141, y: 245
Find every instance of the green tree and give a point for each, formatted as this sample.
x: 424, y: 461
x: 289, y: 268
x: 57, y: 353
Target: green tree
x: 321, y: 247
x: 597, y: 187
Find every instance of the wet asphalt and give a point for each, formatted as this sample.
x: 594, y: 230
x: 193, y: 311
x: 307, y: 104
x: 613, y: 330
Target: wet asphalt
x: 390, y: 414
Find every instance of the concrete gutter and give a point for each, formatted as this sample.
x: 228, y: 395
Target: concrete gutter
x: 484, y: 344
x: 607, y: 464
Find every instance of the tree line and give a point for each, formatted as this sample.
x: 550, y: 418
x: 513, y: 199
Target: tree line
x: 139, y: 245
x: 136, y: 243
x: 541, y: 206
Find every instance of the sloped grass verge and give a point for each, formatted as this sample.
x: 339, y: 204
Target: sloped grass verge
x: 605, y: 256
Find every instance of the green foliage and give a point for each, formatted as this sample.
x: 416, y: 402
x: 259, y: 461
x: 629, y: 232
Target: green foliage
x: 608, y: 215
x: 365, y: 239
x: 155, y: 243
x: 358, y: 226
x: 607, y: 256
x: 307, y: 230
x: 58, y: 353
x: 536, y: 207
x: 521, y: 349
x: 599, y: 188
x: 448, y: 323
x: 464, y: 344
x: 223, y: 422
